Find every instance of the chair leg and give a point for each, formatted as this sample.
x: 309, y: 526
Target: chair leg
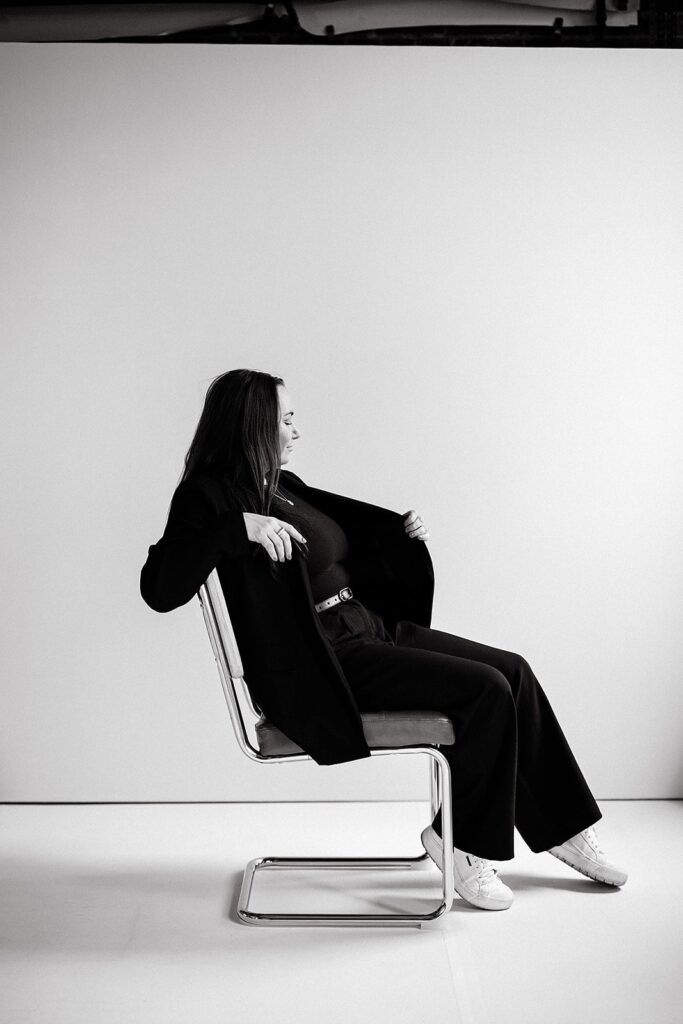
x: 440, y: 786
x: 434, y: 794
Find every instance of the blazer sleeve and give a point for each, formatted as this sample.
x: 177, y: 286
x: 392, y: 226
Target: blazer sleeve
x: 196, y: 538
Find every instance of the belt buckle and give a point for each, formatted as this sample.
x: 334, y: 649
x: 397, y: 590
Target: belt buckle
x: 345, y: 594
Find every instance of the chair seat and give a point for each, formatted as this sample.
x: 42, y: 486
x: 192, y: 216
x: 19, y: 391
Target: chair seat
x: 381, y: 728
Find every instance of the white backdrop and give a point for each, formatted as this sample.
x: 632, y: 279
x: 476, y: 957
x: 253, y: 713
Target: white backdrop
x: 466, y: 263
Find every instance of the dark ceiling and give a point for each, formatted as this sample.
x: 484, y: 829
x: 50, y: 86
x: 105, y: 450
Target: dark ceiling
x: 586, y: 23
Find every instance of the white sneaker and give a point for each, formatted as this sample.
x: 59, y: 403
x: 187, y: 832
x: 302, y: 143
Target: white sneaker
x: 582, y: 852
x: 476, y: 880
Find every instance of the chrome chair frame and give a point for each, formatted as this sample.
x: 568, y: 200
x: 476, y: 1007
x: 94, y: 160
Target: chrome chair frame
x: 231, y: 675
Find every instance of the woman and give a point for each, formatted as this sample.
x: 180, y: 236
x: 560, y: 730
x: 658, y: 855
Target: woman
x: 331, y: 600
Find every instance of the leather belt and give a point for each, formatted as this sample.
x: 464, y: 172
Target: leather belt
x: 345, y: 594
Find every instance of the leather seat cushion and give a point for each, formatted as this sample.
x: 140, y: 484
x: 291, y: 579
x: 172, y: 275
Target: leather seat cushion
x: 381, y: 728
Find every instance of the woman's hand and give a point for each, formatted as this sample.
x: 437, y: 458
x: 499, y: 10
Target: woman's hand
x: 273, y: 534
x: 414, y: 526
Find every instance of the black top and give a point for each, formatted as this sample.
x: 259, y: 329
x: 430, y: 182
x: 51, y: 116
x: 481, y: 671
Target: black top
x: 328, y: 545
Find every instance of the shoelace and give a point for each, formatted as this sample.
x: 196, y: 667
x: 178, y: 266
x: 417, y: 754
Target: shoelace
x: 485, y: 869
x: 592, y: 838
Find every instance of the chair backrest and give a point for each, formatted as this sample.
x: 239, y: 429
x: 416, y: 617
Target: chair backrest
x: 227, y: 655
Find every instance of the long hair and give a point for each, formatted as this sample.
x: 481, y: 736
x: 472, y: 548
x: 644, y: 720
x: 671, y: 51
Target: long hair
x: 237, y: 437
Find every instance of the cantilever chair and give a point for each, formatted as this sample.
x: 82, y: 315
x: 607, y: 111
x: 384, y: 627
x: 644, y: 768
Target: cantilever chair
x: 400, y: 732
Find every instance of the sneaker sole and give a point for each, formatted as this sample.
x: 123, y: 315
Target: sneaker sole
x: 433, y: 848
x: 596, y: 875
x: 481, y: 902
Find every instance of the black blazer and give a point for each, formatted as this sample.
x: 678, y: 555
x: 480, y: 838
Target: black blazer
x: 289, y: 664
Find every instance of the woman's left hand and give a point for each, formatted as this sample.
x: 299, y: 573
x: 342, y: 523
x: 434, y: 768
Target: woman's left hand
x: 414, y: 526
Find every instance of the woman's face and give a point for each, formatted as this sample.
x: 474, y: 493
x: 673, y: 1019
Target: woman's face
x: 288, y: 432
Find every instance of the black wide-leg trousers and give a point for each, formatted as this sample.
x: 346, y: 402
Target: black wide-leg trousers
x: 511, y: 765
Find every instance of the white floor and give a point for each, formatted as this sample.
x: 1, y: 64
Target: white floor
x: 125, y: 913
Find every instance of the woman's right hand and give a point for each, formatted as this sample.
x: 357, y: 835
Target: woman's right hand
x: 273, y: 534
